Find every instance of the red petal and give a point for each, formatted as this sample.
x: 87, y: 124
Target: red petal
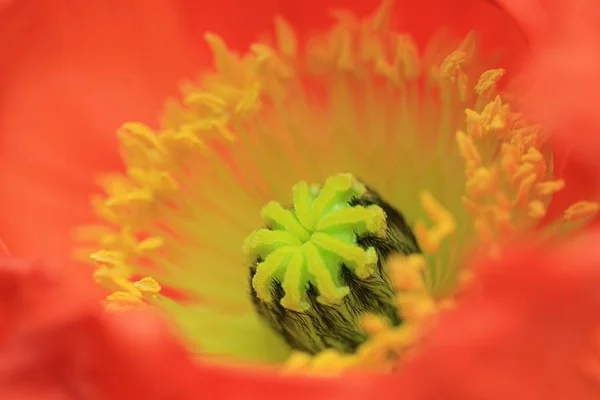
x: 226, y: 383
x: 528, y: 329
x: 36, y: 295
x: 561, y: 84
x: 71, y: 73
x: 3, y: 249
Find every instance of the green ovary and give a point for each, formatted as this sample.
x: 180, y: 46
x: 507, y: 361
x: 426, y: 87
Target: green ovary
x: 307, y: 245
x: 319, y: 266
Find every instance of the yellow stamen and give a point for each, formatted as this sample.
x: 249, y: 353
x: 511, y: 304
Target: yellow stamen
x: 550, y: 187
x: 445, y: 225
x: 469, y: 152
x: 286, y: 39
x: 488, y: 80
x: 451, y: 70
x: 121, y: 301
x: 537, y: 209
x: 148, y: 287
x: 581, y: 210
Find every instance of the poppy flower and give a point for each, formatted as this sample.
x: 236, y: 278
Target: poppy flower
x: 273, y: 198
x: 312, y: 202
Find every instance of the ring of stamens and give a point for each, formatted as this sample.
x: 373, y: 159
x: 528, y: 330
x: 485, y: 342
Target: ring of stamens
x: 172, y: 213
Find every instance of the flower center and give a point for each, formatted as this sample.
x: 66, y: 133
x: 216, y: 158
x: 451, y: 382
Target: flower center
x: 336, y: 272
x: 320, y: 266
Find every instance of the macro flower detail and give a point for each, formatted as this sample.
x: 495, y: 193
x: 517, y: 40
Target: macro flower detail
x: 338, y: 275
x: 321, y: 265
